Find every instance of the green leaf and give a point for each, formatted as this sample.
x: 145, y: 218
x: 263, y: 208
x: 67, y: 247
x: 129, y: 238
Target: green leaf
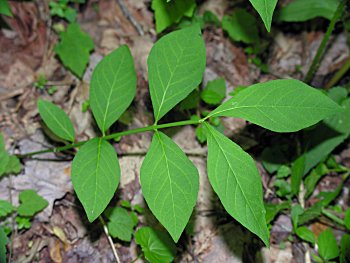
x: 170, y: 184
x: 298, y: 168
x: 279, y: 105
x: 214, y: 92
x: 168, y: 13
x: 283, y: 172
x: 306, y: 234
x: 326, y: 136
x: 31, y: 203
x: 272, y: 210
x: 176, y: 65
x: 236, y: 180
x: 5, y: 208
x: 347, y: 219
x: 283, y: 188
x: 265, y: 9
x: 345, y: 249
x: 328, y: 197
x: 113, y: 87
x: 200, y: 134
x: 156, y: 245
x: 14, y: 166
x: 56, y: 119
x: 4, y: 156
x: 301, y: 10
x: 191, y: 101
x: 74, y: 49
x: 5, y: 8
x: 95, y: 176
x: 313, y: 178
x: 327, y: 245
x: 3, y: 242
x: 296, y: 211
x: 23, y: 222
x: 241, y: 26
x: 121, y: 224
x: 311, y: 213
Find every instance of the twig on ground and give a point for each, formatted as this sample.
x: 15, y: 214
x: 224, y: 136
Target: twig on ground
x: 109, y: 239
x: 130, y: 17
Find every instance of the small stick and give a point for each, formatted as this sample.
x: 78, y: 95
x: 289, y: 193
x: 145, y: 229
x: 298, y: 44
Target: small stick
x: 109, y: 239
x: 130, y: 17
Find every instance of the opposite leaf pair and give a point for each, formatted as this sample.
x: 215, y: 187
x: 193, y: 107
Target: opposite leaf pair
x: 169, y: 180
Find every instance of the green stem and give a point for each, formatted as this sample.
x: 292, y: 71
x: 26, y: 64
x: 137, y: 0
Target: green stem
x: 333, y: 217
x: 316, y: 61
x: 341, y: 72
x: 113, y: 136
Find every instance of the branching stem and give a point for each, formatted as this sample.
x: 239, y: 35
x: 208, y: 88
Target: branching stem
x: 114, y: 136
x: 320, y: 51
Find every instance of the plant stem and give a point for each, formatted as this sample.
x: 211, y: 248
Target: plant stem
x: 333, y: 217
x: 341, y: 72
x: 113, y: 136
x: 109, y: 239
x: 320, y: 51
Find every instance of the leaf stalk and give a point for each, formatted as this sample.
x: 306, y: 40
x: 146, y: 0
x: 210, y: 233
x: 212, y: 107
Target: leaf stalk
x: 114, y: 136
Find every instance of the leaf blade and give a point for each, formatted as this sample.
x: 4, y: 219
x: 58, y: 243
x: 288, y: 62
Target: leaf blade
x: 167, y: 166
x: 279, y: 105
x: 31, y: 203
x: 327, y: 244
x: 300, y: 10
x: 245, y: 202
x: 265, y: 8
x: 74, y: 49
x: 168, y: 13
x: 120, y: 223
x: 95, y: 176
x: 176, y: 65
x: 156, y: 245
x: 241, y: 26
x: 56, y: 119
x: 112, y: 93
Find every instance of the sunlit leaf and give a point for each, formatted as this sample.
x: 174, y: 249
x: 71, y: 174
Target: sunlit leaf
x: 279, y: 105
x: 95, y: 176
x: 157, y: 246
x: 175, y: 68
x: 112, y: 87
x: 236, y: 180
x: 170, y: 184
x: 56, y: 119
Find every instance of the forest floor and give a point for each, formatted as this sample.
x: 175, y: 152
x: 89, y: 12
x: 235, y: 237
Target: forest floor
x: 61, y: 233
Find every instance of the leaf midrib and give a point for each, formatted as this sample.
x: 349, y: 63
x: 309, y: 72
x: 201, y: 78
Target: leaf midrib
x: 169, y: 81
x: 170, y: 181
x: 60, y: 124
x: 271, y: 106
x: 223, y: 152
x: 97, y: 167
x: 110, y: 93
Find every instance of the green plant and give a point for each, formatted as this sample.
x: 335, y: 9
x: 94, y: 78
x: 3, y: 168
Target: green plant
x: 62, y: 9
x: 74, y: 49
x: 5, y: 8
x: 176, y: 64
x: 30, y: 204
